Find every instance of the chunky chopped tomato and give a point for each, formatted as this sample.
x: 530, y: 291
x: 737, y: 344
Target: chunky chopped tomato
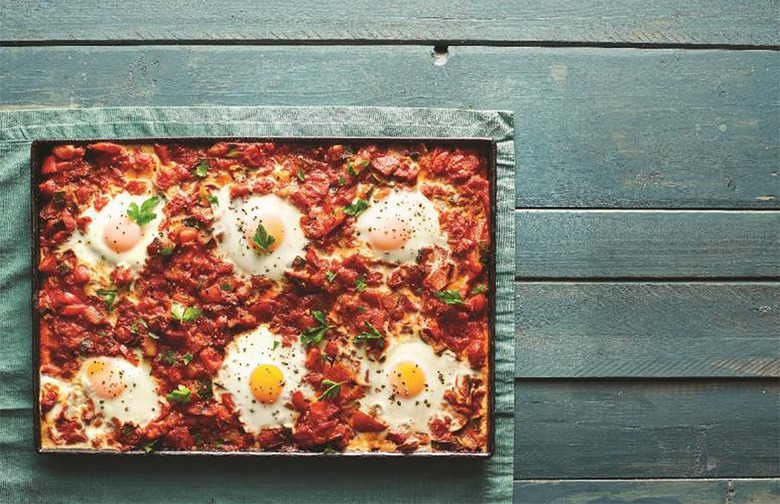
x: 127, y: 312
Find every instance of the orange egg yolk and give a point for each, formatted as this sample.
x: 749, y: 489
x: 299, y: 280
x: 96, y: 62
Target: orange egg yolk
x: 105, y: 381
x: 121, y: 234
x: 393, y: 234
x: 274, y: 228
x: 407, y: 379
x: 266, y: 383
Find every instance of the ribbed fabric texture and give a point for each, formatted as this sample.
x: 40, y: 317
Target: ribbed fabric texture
x: 28, y: 477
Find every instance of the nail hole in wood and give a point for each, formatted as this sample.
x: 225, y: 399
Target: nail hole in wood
x: 440, y: 55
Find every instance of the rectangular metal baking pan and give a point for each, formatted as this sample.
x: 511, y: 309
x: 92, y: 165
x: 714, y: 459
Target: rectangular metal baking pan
x: 42, y: 147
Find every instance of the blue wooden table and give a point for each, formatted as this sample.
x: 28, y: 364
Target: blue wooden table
x: 648, y: 194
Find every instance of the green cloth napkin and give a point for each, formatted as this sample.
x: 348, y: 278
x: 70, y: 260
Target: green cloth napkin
x: 26, y: 476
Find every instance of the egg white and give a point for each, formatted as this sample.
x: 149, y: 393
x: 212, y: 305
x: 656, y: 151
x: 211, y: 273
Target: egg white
x: 139, y: 403
x: 233, y: 216
x: 90, y: 247
x: 414, y: 413
x: 411, y: 208
x: 242, y: 356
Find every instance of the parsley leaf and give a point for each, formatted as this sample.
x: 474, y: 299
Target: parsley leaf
x: 356, y: 208
x: 332, y: 391
x: 169, y: 357
x: 360, y: 284
x: 262, y: 239
x: 371, y: 334
x: 301, y: 176
x: 185, y: 315
x: 342, y: 181
x: 314, y: 335
x: 180, y: 395
x: 478, y: 289
x: 351, y: 170
x: 148, y: 448
x: 202, y: 169
x: 166, y: 251
x: 276, y: 345
x: 363, y: 163
x: 143, y: 215
x: 109, y: 296
x: 186, y: 358
x: 450, y: 297
x: 330, y: 275
x: 212, y: 200
x: 226, y: 287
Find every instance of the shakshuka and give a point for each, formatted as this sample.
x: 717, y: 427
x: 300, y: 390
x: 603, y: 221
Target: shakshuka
x: 245, y: 296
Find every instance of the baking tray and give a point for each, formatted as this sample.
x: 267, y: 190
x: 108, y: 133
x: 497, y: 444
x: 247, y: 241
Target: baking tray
x: 41, y: 148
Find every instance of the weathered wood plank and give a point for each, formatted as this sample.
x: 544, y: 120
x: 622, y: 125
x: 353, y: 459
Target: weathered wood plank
x: 646, y: 429
x: 711, y: 491
x: 646, y: 243
x: 624, y: 329
x: 594, y: 128
x: 633, y: 21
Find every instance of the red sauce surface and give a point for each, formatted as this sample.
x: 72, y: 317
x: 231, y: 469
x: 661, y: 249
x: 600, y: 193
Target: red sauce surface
x: 183, y: 267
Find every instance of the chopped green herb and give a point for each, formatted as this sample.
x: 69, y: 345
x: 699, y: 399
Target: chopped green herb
x: 371, y: 334
x: 263, y: 239
x: 148, y: 448
x: 351, y: 170
x: 180, y: 395
x: 330, y: 275
x: 478, y: 289
x: 301, y: 176
x: 202, y: 169
x: 233, y: 153
x: 212, y: 200
x: 361, y: 309
x: 185, y: 315
x: 342, y: 181
x: 314, y: 335
x: 109, y: 296
x: 166, y: 251
x: 134, y: 329
x: 141, y: 321
x: 332, y: 391
x: 186, y: 358
x: 276, y: 345
x: 450, y: 297
x: 226, y: 286
x: 169, y: 357
x: 360, y: 284
x: 356, y: 208
x: 143, y: 215
x: 364, y: 162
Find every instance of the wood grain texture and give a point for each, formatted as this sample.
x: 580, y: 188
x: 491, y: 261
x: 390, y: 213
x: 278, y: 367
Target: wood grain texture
x: 711, y: 491
x: 661, y: 22
x: 594, y: 127
x: 646, y: 429
x: 646, y: 243
x: 638, y: 330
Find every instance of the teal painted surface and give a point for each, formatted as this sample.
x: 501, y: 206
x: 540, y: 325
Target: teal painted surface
x: 722, y: 491
x: 641, y: 330
x: 634, y: 21
x: 646, y: 428
x: 596, y: 128
x: 636, y: 244
x: 620, y: 128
